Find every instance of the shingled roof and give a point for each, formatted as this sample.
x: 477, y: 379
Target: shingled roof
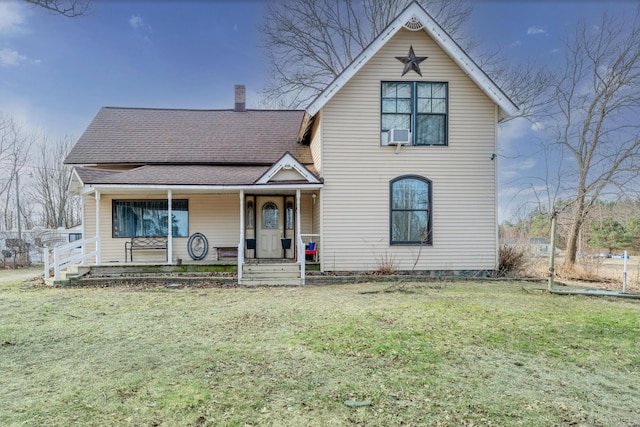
x: 174, y: 175
x: 145, y: 136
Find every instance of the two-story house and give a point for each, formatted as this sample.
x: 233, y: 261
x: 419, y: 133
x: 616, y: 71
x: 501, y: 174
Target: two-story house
x: 392, y: 167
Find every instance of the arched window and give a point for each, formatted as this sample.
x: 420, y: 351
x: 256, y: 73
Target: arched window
x: 410, y: 213
x: 269, y: 216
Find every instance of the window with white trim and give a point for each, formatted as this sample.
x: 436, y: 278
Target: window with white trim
x: 420, y: 107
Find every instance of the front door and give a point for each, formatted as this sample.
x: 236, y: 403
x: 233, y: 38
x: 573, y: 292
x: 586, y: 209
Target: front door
x: 270, y: 227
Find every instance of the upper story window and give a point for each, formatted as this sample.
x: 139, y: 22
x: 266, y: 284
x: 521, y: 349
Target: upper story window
x: 420, y: 107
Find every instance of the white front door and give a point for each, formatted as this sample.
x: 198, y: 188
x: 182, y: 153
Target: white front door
x: 270, y: 227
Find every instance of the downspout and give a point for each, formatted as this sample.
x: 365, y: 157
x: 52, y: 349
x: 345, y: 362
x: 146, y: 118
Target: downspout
x: 496, y: 206
x: 169, y: 226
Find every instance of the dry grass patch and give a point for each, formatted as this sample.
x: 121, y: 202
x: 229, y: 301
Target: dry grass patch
x: 478, y: 353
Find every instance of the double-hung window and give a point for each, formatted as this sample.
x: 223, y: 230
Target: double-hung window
x: 420, y: 107
x: 149, y: 218
x: 410, y: 215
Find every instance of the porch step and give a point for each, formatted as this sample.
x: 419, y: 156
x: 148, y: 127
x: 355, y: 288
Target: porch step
x: 74, y: 271
x: 274, y: 274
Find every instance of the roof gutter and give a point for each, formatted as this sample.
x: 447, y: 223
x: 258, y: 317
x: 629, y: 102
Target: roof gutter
x: 202, y: 188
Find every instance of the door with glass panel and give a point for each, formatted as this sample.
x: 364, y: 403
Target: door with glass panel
x: 269, y: 227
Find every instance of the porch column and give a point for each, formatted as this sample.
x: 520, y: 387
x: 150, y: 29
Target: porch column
x: 82, y: 227
x: 98, y: 243
x: 302, y: 258
x: 241, y: 244
x: 169, y: 227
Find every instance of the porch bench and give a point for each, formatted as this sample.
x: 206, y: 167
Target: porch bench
x: 226, y: 252
x: 141, y: 243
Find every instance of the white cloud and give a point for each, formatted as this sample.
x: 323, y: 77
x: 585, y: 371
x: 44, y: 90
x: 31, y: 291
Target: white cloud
x: 513, y: 129
x: 533, y: 30
x: 516, y: 43
x: 513, y: 169
x: 11, y: 17
x: 10, y: 57
x: 136, y: 22
x: 537, y: 126
x: 527, y: 164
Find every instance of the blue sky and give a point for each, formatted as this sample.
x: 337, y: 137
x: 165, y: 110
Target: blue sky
x: 56, y: 72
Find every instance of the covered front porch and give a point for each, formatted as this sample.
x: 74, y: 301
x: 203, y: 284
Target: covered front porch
x: 126, y: 227
x: 180, y: 214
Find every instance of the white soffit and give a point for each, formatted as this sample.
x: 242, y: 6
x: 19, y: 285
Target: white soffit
x: 75, y: 182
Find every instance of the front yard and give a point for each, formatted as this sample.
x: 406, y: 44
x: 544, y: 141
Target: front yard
x: 439, y: 353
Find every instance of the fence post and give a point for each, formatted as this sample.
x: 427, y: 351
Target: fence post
x: 56, y: 264
x: 552, y: 254
x: 624, y: 274
x: 46, y: 261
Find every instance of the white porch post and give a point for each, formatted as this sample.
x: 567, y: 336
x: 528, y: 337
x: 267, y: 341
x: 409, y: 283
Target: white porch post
x: 98, y: 244
x: 299, y: 243
x: 82, y: 228
x: 169, y: 227
x: 241, y: 244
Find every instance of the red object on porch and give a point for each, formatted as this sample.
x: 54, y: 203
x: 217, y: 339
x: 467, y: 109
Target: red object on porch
x: 311, y: 250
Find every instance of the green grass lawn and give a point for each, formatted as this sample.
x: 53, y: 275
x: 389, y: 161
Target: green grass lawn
x: 448, y: 354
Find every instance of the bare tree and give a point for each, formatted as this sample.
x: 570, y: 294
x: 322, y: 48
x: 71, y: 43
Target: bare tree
x: 51, y: 186
x: 68, y: 8
x: 15, y: 144
x: 596, y: 105
x: 310, y: 42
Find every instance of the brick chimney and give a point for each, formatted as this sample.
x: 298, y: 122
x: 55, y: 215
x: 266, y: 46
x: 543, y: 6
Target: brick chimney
x: 241, y: 104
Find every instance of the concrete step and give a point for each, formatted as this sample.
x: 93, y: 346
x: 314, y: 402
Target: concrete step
x: 275, y: 268
x: 271, y: 282
x: 266, y: 276
x: 74, y: 271
x: 272, y: 274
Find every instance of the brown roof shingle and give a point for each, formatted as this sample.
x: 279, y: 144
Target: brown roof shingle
x: 159, y: 136
x: 175, y: 175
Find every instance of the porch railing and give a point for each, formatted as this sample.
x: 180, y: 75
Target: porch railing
x: 68, y: 255
x: 302, y: 257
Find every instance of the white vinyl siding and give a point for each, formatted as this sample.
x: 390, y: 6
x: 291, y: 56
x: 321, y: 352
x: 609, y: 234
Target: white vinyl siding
x: 357, y: 170
x: 89, y: 223
x: 316, y: 143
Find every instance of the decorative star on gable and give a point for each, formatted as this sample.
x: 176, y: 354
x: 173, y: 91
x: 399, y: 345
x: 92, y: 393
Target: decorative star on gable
x: 411, y: 62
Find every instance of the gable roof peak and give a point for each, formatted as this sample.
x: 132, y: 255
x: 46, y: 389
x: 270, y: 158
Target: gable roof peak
x: 415, y: 18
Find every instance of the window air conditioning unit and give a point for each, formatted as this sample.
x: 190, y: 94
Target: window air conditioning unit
x: 398, y: 136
